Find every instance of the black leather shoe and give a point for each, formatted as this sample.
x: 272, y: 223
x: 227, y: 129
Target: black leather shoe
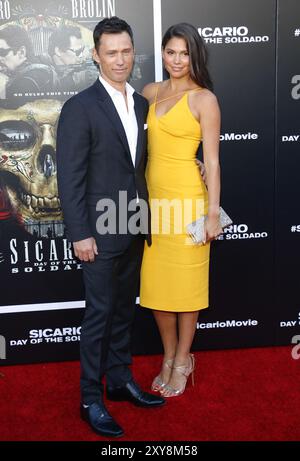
x: 132, y: 393
x: 97, y: 416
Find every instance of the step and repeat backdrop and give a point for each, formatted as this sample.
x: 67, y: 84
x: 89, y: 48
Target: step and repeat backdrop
x: 45, y: 58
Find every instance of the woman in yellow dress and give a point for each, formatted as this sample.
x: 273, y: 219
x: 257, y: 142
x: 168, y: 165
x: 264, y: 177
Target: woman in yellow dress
x: 183, y: 113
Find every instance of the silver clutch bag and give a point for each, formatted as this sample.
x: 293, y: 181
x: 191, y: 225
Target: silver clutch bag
x: 196, y: 229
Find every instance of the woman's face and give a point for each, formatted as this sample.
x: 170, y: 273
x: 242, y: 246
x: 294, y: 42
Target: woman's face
x: 176, y: 57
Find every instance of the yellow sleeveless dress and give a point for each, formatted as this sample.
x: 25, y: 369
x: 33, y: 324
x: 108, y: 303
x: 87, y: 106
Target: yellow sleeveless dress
x: 175, y: 272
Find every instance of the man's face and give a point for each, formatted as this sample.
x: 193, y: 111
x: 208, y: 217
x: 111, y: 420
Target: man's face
x: 73, y: 54
x: 115, y: 56
x: 9, y: 60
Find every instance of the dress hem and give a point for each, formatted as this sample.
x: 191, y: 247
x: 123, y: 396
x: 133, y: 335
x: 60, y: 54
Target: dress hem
x: 192, y: 309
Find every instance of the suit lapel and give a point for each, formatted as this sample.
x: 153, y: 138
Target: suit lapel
x: 111, y: 112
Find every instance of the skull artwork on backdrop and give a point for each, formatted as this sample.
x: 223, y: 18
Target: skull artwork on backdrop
x: 28, y: 165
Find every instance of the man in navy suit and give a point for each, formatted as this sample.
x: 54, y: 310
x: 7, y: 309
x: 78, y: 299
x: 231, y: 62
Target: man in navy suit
x: 101, y: 152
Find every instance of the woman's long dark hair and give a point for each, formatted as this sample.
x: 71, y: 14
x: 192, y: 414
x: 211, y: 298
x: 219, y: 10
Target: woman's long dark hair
x: 197, y: 52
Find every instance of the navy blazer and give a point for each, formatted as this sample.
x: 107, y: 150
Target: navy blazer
x: 94, y: 162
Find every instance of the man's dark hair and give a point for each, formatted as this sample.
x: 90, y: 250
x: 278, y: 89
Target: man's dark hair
x: 61, y: 38
x: 16, y: 37
x: 113, y: 25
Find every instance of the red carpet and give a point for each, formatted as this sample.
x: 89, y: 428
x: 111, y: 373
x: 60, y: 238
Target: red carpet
x: 239, y: 395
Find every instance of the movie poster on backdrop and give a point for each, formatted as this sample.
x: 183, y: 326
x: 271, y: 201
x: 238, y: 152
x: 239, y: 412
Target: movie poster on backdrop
x: 45, y: 58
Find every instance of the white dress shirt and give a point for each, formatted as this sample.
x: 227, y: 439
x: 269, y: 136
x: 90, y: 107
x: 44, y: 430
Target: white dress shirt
x: 128, y: 117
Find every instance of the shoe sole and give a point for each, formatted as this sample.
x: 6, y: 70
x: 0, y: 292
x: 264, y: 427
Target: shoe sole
x: 137, y: 404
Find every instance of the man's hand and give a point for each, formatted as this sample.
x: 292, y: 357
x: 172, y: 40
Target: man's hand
x: 86, y: 249
x: 202, y: 170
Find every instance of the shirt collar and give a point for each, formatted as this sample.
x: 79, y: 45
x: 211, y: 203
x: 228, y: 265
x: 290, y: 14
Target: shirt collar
x: 113, y: 91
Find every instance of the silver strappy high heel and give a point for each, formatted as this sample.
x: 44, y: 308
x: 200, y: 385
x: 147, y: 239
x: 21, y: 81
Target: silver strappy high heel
x: 186, y: 371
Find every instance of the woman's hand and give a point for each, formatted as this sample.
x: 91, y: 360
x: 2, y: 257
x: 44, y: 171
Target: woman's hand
x: 213, y: 227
